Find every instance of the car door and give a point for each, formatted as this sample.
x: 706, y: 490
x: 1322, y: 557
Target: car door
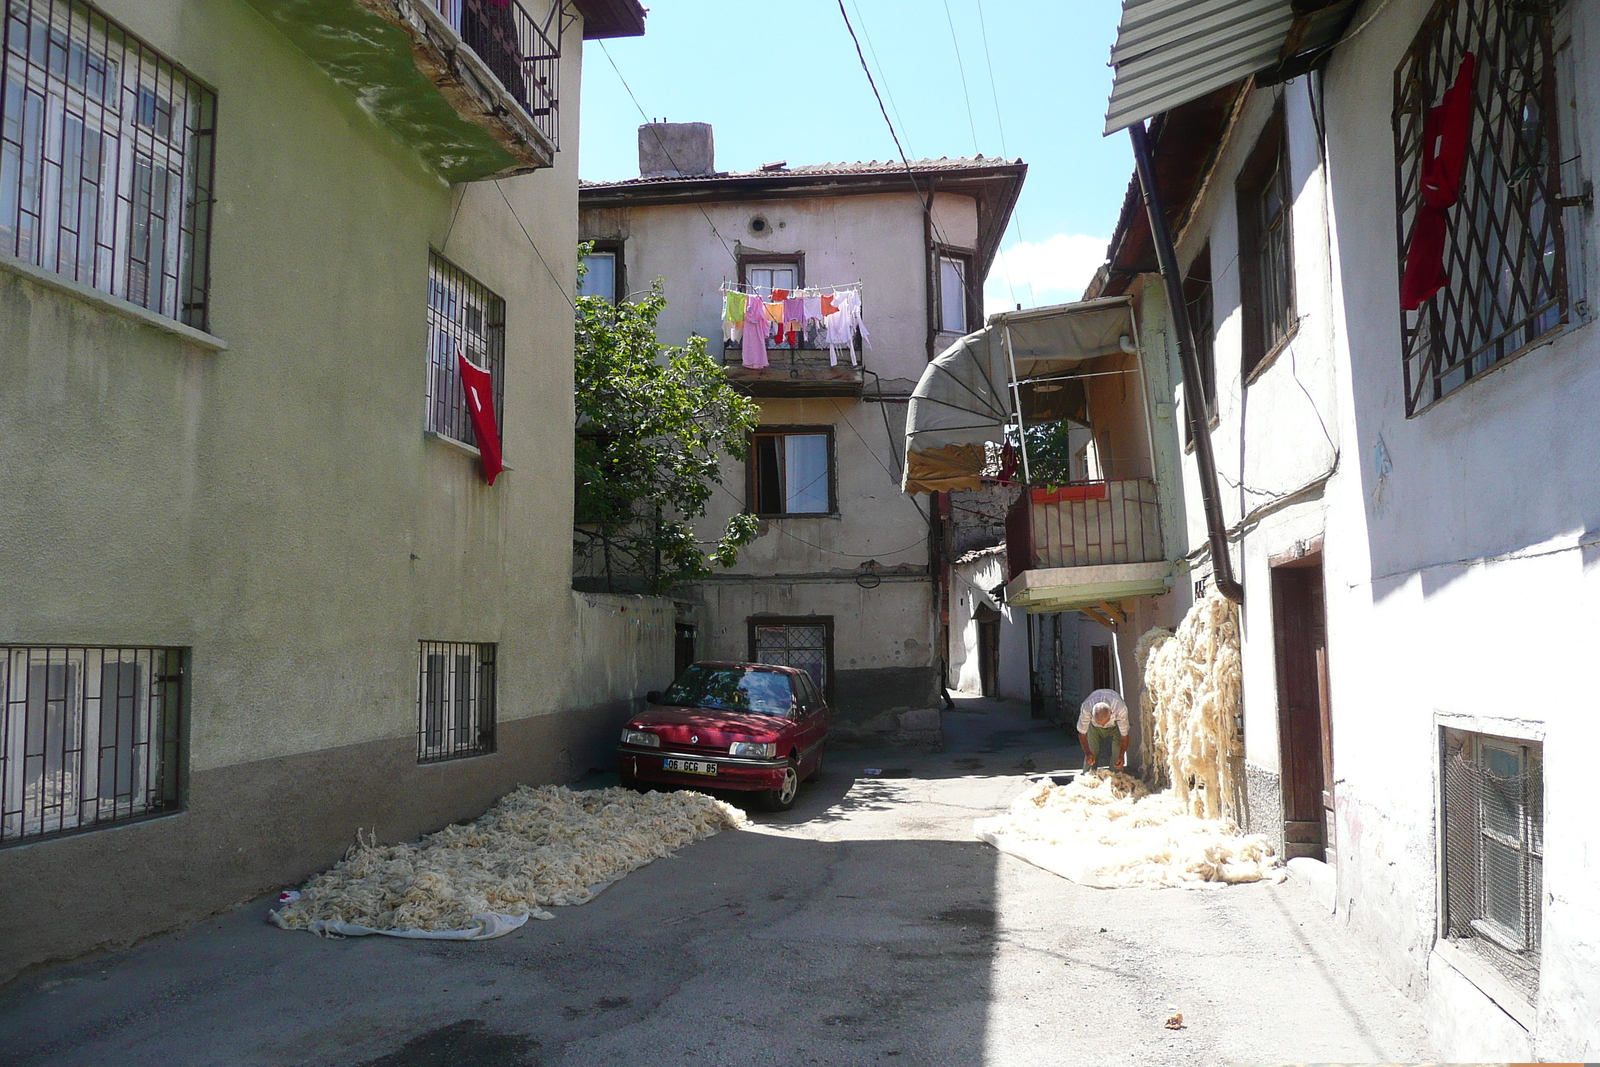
x: 814, y: 721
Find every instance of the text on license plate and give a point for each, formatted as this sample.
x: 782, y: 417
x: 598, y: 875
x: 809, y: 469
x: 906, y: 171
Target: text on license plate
x: 689, y: 766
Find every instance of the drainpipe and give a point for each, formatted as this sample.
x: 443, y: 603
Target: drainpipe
x: 1193, y: 396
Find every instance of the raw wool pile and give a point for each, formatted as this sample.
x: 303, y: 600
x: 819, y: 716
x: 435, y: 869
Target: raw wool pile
x: 1155, y: 741
x: 537, y: 846
x: 1103, y: 830
x: 1192, y: 680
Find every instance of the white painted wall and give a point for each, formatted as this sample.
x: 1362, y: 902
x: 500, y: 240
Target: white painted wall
x: 1460, y: 550
x: 970, y: 581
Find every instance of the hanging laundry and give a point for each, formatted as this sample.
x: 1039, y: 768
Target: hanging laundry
x: 780, y: 294
x: 733, y: 316
x: 828, y: 306
x: 754, y: 343
x: 813, y: 308
x: 1445, y: 131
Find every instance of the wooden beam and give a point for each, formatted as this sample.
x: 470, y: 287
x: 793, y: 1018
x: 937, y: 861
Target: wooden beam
x: 1113, y: 611
x: 1094, y: 614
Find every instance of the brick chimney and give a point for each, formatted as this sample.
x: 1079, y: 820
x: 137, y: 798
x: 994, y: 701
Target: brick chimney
x: 676, y: 150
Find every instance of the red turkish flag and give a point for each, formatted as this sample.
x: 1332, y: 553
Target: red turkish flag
x: 1445, y: 132
x: 477, y: 388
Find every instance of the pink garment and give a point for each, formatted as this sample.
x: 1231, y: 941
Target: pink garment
x: 794, y: 310
x: 755, y: 335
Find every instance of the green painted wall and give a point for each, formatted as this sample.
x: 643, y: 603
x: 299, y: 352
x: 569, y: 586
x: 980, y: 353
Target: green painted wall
x: 275, y: 506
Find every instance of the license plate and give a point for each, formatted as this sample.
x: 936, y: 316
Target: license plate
x: 689, y: 766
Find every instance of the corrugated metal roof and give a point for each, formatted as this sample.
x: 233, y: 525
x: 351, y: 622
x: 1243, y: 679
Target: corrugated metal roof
x: 1169, y: 52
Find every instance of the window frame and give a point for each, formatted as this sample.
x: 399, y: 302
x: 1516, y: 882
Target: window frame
x: 150, y: 750
x: 1199, y: 291
x: 1455, y: 338
x: 967, y: 257
x: 150, y: 117
x: 754, y: 622
x: 1265, y: 330
x: 440, y: 719
x: 619, y: 277
x: 752, y: 474
x: 455, y: 424
x: 773, y: 259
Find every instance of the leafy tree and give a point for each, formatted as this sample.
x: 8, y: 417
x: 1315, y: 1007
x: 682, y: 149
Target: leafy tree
x: 652, y: 421
x: 1049, y: 452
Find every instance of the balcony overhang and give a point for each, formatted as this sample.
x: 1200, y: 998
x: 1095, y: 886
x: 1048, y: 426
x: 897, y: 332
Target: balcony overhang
x: 1073, y: 588
x: 799, y: 372
x: 410, y: 70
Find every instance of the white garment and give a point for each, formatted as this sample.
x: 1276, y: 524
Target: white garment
x: 1119, y: 710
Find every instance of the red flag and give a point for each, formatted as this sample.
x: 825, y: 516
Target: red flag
x: 477, y: 388
x: 1445, y: 131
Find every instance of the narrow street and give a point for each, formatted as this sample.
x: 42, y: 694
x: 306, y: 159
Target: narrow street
x: 864, y: 926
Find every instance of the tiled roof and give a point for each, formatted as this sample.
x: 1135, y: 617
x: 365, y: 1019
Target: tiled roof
x: 819, y: 170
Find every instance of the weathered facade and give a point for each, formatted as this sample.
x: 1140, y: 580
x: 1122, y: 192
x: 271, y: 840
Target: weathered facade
x: 1406, y: 460
x: 257, y: 591
x: 846, y: 585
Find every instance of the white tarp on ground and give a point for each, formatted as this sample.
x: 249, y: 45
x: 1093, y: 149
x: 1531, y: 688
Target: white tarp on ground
x: 537, y: 847
x: 963, y: 403
x: 1104, y: 830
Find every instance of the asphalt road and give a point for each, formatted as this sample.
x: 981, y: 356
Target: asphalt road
x: 863, y: 927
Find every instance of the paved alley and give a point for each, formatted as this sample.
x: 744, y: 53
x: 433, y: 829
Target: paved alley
x: 865, y: 926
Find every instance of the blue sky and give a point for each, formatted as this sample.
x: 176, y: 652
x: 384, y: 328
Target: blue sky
x: 782, y: 81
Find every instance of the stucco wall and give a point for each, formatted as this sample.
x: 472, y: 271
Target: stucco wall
x: 967, y: 580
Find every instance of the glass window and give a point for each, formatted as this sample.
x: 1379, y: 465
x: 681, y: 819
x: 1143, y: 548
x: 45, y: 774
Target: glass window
x: 952, y: 294
x: 770, y: 276
x: 732, y: 689
x: 455, y: 700
x: 465, y: 317
x: 792, y: 474
x: 600, y: 278
x: 105, y: 160
x: 1266, y: 264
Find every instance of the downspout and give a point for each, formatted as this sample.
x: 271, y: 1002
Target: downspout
x: 1194, y: 402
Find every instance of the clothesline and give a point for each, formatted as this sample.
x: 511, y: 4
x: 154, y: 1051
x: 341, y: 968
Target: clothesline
x: 809, y: 290
x: 752, y: 315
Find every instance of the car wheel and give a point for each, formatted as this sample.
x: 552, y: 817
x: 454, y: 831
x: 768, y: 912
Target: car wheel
x: 816, y: 772
x: 782, y: 798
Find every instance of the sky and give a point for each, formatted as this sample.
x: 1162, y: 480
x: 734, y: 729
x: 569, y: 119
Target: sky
x: 782, y: 81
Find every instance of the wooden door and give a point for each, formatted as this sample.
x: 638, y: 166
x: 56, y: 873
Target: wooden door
x: 1305, y: 746
x: 1100, y: 667
x: 989, y: 656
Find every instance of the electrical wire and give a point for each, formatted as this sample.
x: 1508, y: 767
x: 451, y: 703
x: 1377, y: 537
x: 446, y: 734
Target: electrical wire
x: 559, y: 287
x: 1016, y: 218
x: 821, y: 548
x: 961, y: 70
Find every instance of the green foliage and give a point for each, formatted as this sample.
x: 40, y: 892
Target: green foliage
x: 1049, y: 453
x: 652, y: 421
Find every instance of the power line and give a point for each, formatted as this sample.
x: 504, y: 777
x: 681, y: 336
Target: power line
x: 559, y: 287
x: 994, y: 93
x: 663, y: 146
x: 888, y: 91
x: 961, y: 69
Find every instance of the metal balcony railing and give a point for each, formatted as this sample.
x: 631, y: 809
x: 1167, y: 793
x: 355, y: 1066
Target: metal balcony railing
x: 522, y: 52
x: 1087, y: 524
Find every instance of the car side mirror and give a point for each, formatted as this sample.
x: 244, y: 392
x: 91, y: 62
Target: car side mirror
x: 654, y: 696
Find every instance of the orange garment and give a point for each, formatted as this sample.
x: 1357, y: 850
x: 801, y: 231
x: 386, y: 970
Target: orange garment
x: 828, y: 307
x: 780, y: 294
x: 775, y: 311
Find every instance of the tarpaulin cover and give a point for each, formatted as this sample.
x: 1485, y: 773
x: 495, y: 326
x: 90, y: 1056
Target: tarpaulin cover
x: 962, y: 403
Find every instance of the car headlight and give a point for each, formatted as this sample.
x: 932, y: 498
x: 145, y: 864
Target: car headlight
x: 641, y: 737
x: 760, y: 749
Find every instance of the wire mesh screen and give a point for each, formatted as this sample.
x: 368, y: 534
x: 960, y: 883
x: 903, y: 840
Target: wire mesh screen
x: 88, y: 736
x: 105, y: 159
x: 455, y: 700
x: 804, y: 646
x: 462, y: 315
x: 1504, y: 252
x: 1494, y: 849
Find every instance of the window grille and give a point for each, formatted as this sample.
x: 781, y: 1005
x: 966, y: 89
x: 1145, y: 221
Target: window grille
x: 1493, y: 829
x: 807, y: 645
x: 105, y: 159
x: 464, y: 315
x: 455, y: 700
x: 1504, y: 252
x: 88, y: 737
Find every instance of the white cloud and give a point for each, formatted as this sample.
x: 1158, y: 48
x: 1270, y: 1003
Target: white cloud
x: 1052, y: 271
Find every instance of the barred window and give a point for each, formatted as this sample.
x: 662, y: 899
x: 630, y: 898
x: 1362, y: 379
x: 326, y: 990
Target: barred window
x: 105, y: 159
x: 1483, y: 256
x: 464, y: 316
x: 805, y: 642
x: 455, y: 700
x: 1493, y: 830
x: 88, y: 737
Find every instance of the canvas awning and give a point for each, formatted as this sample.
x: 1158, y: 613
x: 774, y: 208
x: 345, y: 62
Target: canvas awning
x: 963, y: 401
x: 1169, y: 52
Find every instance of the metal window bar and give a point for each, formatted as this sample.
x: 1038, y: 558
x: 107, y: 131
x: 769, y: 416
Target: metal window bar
x: 462, y: 313
x: 1505, y: 254
x: 522, y: 52
x: 89, y: 736
x: 1493, y: 826
x: 105, y: 159
x: 455, y: 700
x: 795, y: 646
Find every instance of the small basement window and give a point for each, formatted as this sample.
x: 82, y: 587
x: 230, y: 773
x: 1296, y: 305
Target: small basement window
x: 791, y: 472
x: 89, y: 737
x: 455, y: 700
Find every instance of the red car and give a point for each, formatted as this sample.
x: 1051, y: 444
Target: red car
x: 746, y: 726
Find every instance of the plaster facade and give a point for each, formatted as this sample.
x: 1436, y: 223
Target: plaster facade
x: 265, y: 498
x: 1434, y: 530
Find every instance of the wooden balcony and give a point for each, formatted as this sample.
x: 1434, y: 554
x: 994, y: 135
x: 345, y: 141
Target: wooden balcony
x: 1086, y: 544
x: 797, y: 371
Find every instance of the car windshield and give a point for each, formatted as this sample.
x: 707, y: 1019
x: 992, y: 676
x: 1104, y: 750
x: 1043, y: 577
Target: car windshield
x: 732, y: 689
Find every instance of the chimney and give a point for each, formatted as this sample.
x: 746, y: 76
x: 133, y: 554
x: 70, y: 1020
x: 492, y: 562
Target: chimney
x: 676, y: 150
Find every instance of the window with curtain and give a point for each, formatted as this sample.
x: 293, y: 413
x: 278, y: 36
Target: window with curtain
x: 791, y: 472
x: 600, y: 276
x: 952, y: 294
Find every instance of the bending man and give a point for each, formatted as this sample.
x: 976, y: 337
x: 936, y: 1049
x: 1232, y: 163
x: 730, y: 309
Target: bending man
x: 1103, y: 719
